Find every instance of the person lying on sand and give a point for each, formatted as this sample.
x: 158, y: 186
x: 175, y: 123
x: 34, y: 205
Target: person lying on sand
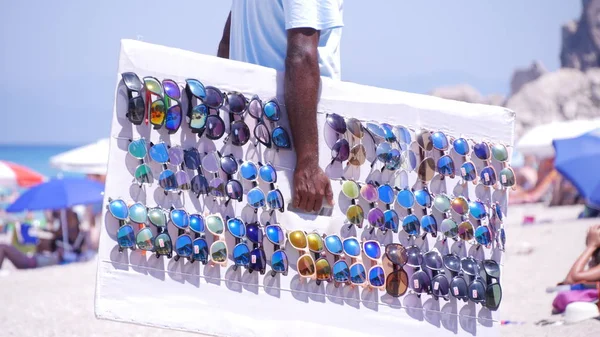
x: 590, y: 258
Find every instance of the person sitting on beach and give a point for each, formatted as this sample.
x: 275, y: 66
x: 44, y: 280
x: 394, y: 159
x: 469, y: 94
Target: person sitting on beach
x: 590, y: 258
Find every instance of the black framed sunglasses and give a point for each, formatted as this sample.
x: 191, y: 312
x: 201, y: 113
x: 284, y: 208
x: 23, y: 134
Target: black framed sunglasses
x: 136, y: 108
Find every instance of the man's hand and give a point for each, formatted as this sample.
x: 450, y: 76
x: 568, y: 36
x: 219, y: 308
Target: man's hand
x: 593, y: 236
x: 311, y: 186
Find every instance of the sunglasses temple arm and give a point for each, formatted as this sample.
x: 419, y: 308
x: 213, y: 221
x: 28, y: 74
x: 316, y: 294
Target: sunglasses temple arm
x: 147, y: 106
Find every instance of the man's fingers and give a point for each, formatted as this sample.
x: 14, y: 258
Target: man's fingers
x: 318, y: 202
x: 329, y: 193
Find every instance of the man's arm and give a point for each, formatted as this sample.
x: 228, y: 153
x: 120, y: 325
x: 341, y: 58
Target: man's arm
x: 302, y: 79
x: 223, y: 50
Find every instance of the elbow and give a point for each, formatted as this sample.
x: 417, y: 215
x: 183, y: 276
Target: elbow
x: 303, y: 58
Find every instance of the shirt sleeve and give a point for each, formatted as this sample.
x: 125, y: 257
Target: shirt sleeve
x: 316, y: 14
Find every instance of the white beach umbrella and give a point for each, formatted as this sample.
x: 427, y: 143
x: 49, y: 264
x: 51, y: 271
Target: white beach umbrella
x: 88, y: 159
x: 538, y: 141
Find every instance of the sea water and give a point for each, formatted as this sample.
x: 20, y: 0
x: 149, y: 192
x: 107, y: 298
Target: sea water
x: 35, y: 157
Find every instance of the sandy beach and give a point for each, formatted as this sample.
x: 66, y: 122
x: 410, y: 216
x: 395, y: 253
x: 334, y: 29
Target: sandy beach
x: 59, y: 301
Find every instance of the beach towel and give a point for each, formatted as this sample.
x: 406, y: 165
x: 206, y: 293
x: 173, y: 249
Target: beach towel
x: 564, y: 298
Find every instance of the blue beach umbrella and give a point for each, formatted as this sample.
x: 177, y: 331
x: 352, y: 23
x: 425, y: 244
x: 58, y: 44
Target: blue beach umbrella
x: 578, y: 160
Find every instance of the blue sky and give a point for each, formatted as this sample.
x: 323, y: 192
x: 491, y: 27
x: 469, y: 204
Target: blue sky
x: 59, y: 58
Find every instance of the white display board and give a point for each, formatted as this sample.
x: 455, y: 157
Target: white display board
x: 139, y: 288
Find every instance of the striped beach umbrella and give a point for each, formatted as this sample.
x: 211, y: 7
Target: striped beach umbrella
x: 15, y: 175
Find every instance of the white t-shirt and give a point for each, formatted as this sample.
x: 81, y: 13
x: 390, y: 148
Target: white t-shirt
x: 259, y: 31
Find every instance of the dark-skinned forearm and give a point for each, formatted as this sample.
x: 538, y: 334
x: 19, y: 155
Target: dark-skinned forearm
x: 223, y: 50
x: 302, y: 78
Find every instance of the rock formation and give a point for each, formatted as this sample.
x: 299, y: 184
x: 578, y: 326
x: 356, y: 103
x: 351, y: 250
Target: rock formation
x: 581, y: 39
x: 521, y: 77
x: 466, y: 93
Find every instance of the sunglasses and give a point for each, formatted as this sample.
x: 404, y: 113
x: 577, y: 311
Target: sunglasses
x: 174, y: 116
x: 376, y: 274
x: 497, y: 226
x: 136, y: 109
x: 184, y: 246
x: 358, y: 272
x: 506, y: 176
x: 467, y: 169
x: 445, y: 164
x: 493, y: 292
x: 233, y: 187
x: 460, y: 205
x: 241, y: 252
x: 340, y: 270
x: 138, y: 213
x: 157, y: 108
x: 341, y: 149
x: 125, y: 234
x: 307, y: 267
x: 440, y: 286
x: 427, y: 167
x: 279, y: 259
x: 167, y: 178
x: 410, y: 224
x: 192, y: 161
x: 212, y: 164
x: 200, y: 247
x: 482, y: 233
x: 176, y: 158
x: 476, y: 289
x: 196, y: 114
x: 488, y: 173
x: 143, y: 173
x: 218, y: 249
x: 397, y: 281
x: 428, y: 223
x: 272, y: 112
x: 258, y: 258
x: 419, y: 282
x: 274, y: 198
x: 384, y: 220
x: 355, y: 214
x: 163, y: 245
x: 256, y: 197
x: 458, y: 285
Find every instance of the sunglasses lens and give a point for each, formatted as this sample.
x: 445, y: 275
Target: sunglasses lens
x: 211, y: 162
x: 157, y: 113
x: 433, y: 260
x: 136, y: 110
x: 167, y: 180
x: 465, y: 231
x: 372, y: 250
x: 414, y: 256
x: 118, y: 208
x: 249, y: 171
x: 137, y: 148
x: 409, y: 160
x: 336, y: 122
x: 386, y: 194
x: 420, y: 282
x: 236, y: 227
x: 449, y: 228
x: 477, y: 291
x: 483, y: 236
x: 256, y: 198
x: 197, y: 88
x: 341, y: 271
x: 394, y: 160
x: 183, y: 246
x: 396, y: 253
x: 340, y: 150
x: 215, y: 224
x: 445, y: 165
x: 176, y: 155
x: 272, y: 111
x: 439, y: 140
x: 426, y: 169
x: 429, y: 224
x: 214, y: 98
x: 411, y: 225
x: 241, y: 255
x: 375, y: 217
x: 281, y: 138
x: 132, y: 81
x: 157, y: 217
x: 153, y: 86
x: 180, y: 218
x: 217, y: 187
x: 452, y: 262
x: 376, y: 130
x: 275, y: 199
x: 298, y: 239
x: 138, y: 213
x: 173, y: 121
x: 460, y: 205
x: 507, y: 177
x: 477, y: 210
x: 234, y: 190
x: 377, y: 276
x: 493, y: 296
x: 350, y: 189
x: 358, y: 274
x: 126, y: 236
x: 275, y: 234
x: 262, y: 134
x: 440, y: 286
x: 215, y: 127
x: 499, y: 152
x: 442, y: 203
x: 358, y: 155
x: 492, y: 269
x: 254, y: 233
x: 229, y: 165
x: 258, y: 259
x: 191, y: 158
x: 391, y: 220
x: 218, y: 252
x: 198, y: 117
x: 351, y: 247
x: 315, y: 242
x: 268, y: 174
x: 423, y: 198
x: 159, y: 153
x: 402, y: 135
x: 200, y: 250
x: 468, y: 171
x: 355, y: 127
x: 200, y: 185
x: 183, y: 180
x: 144, y: 239
x: 405, y: 198
x: 333, y: 243
x: 172, y: 90
x: 458, y: 287
x: 424, y: 140
x: 255, y: 108
x: 355, y: 214
x: 383, y: 152
x: 197, y: 223
x: 240, y: 133
x: 163, y: 244
x: 369, y: 193
x: 237, y: 103
x: 279, y: 261
x: 482, y: 151
x: 306, y: 266
x: 469, y: 266
x: 323, y: 269
x: 387, y: 131
x: 396, y: 283
x: 461, y: 146
x: 488, y: 176
x: 143, y: 174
